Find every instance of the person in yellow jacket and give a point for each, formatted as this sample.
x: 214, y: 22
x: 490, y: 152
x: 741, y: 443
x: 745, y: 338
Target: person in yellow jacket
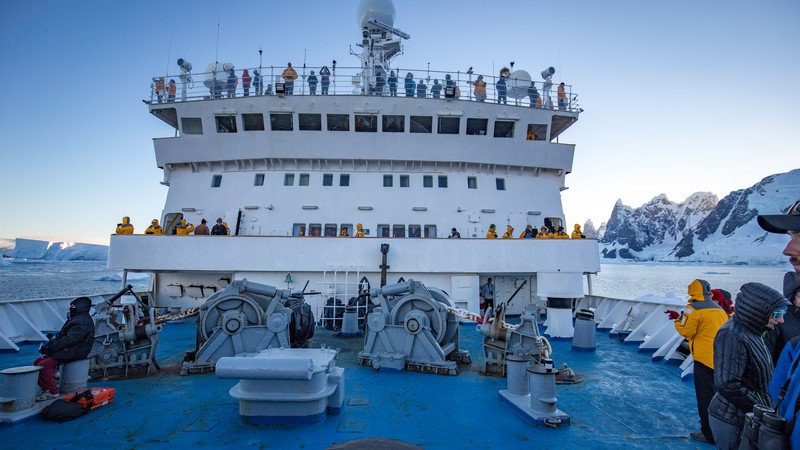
x: 560, y: 234
x: 125, y: 227
x: 577, y: 233
x: 544, y: 233
x: 227, y: 228
x: 289, y: 75
x: 492, y: 233
x: 359, y: 231
x: 699, y: 323
x: 509, y: 234
x: 184, y: 229
x: 154, y: 228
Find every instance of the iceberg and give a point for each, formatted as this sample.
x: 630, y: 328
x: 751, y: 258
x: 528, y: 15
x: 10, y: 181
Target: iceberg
x: 59, y: 251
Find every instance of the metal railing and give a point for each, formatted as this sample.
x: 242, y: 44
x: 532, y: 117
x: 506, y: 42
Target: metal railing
x: 430, y: 84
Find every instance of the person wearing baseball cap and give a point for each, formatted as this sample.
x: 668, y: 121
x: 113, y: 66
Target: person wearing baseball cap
x: 786, y: 223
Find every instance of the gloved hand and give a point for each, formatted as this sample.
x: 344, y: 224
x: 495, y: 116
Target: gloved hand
x: 673, y: 315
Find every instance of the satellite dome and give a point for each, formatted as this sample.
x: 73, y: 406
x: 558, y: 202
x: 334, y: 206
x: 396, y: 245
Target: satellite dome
x: 215, y: 71
x: 518, y: 83
x: 382, y: 10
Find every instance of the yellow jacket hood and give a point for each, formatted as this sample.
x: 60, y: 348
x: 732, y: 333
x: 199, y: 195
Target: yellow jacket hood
x: 699, y: 290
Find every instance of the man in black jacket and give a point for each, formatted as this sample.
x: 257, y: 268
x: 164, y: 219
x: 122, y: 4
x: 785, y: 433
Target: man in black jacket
x: 72, y: 343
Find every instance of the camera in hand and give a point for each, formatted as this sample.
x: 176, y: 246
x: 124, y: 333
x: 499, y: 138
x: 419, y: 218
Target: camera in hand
x: 764, y: 429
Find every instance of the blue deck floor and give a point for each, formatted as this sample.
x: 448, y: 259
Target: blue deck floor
x: 626, y: 401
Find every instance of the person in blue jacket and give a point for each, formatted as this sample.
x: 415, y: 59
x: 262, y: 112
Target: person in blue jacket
x: 410, y: 84
x: 392, y: 84
x: 501, y: 90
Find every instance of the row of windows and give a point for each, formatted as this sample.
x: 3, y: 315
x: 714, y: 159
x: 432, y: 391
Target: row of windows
x: 346, y: 229
x: 344, y: 180
x: 364, y: 123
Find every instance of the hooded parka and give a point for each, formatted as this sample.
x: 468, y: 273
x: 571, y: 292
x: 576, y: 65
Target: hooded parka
x: 700, y: 322
x: 76, y: 337
x: 742, y: 363
x: 125, y: 227
x: 784, y: 332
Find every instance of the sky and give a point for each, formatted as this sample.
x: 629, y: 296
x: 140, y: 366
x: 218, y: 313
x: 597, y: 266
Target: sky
x: 678, y: 97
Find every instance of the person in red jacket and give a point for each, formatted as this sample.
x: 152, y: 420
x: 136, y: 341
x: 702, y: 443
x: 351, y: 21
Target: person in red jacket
x: 246, y: 82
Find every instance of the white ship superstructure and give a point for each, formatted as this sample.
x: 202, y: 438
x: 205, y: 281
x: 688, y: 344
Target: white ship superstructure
x: 288, y: 172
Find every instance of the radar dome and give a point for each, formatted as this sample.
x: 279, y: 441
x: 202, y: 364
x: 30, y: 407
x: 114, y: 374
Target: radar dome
x: 382, y: 10
x: 518, y: 83
x: 215, y: 71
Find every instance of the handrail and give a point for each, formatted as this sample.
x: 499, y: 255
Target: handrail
x: 353, y: 80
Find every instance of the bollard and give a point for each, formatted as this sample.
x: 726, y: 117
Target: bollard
x: 516, y: 367
x: 350, y: 321
x: 584, y: 338
x: 18, y: 394
x: 74, y: 376
x: 542, y: 387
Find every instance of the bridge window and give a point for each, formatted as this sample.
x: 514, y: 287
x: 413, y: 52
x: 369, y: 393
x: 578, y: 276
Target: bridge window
x: 338, y: 122
x: 477, y: 127
x: 327, y: 179
x: 310, y: 122
x: 383, y: 230
x: 344, y: 179
x: 504, y: 128
x: 281, y: 122
x: 500, y: 183
x: 226, y: 124
x: 330, y: 230
x: 314, y: 229
x: 253, y: 122
x: 399, y: 231
x: 427, y: 181
x: 421, y: 124
x: 414, y: 231
x: 216, y: 181
x: 536, y: 132
x: 449, y: 125
x: 288, y: 179
x: 472, y: 183
x: 366, y: 123
x: 299, y: 229
x: 192, y: 125
x: 388, y: 180
x: 304, y: 177
x: 348, y: 226
x: 259, y: 180
x: 394, y: 124
x: 430, y: 231
x: 404, y: 181
x: 442, y: 181
x: 553, y: 223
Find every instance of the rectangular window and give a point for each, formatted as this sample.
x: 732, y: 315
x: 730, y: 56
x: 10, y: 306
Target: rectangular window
x: 281, y: 122
x: 421, y: 124
x: 314, y: 229
x: 477, y: 127
x: 344, y: 179
x: 394, y: 124
x: 288, y: 179
x: 330, y: 230
x: 430, y: 231
x: 253, y: 122
x: 388, y: 180
x: 536, y: 132
x: 399, y: 231
x: 299, y: 229
x: 449, y: 125
x: 414, y: 231
x: 366, y: 123
x: 383, y: 230
x: 442, y: 181
x: 327, y: 179
x: 304, y: 179
x: 192, y: 125
x: 404, y: 181
x: 310, y: 122
x: 500, y: 183
x: 504, y: 128
x: 216, y: 181
x: 259, y: 180
x: 472, y: 183
x: 226, y: 124
x: 348, y: 227
x: 427, y: 181
x: 338, y: 122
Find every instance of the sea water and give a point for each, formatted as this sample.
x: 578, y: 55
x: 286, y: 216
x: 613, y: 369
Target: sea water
x: 45, y: 279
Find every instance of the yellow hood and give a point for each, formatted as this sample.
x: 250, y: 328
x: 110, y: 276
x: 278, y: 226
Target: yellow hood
x: 699, y: 290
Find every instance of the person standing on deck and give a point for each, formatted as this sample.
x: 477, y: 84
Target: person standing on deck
x: 125, y: 227
x: 410, y: 84
x: 392, y: 84
x: 533, y: 95
x: 492, y: 233
x: 232, y: 82
x: 219, y: 229
x: 325, y: 78
x: 562, y: 96
x: 500, y: 86
x: 480, y: 89
x: 202, y: 229
x: 184, y: 229
x: 246, y: 82
x: 154, y: 228
x: 312, y: 83
x: 257, y: 82
x: 172, y: 89
x: 289, y: 75
x: 699, y: 323
x: 487, y: 295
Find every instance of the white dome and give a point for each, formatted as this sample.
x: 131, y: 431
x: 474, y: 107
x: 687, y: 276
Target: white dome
x: 383, y: 10
x: 518, y: 83
x: 215, y: 70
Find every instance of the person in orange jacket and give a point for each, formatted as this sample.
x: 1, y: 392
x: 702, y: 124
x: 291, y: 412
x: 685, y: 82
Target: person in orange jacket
x: 492, y: 233
x: 125, y: 227
x: 577, y: 233
x: 289, y: 75
x: 509, y: 234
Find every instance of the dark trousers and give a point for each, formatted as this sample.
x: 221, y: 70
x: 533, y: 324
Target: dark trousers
x: 704, y: 391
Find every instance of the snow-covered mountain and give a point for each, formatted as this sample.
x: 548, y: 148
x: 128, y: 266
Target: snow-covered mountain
x: 701, y: 228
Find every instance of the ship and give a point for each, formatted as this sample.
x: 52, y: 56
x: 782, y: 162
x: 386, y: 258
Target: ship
x: 361, y: 189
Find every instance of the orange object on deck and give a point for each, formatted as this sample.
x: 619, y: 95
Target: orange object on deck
x: 100, y: 397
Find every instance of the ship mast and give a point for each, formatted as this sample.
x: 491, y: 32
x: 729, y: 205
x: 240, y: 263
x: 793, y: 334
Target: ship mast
x: 380, y: 41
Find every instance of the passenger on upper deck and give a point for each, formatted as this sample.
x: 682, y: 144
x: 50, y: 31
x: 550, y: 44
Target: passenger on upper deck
x: 480, y: 89
x: 492, y: 233
x: 125, y: 227
x: 392, y: 84
x: 562, y: 97
x: 410, y: 85
x: 560, y: 234
x: 359, y: 231
x: 325, y: 75
x: 233, y: 80
x: 528, y: 233
x: 343, y: 232
x: 533, y: 95
x: 246, y: 82
x: 171, y: 90
x: 501, y: 90
x: 380, y: 80
x: 422, y: 90
x: 257, y: 83
x: 509, y: 234
x: 227, y: 228
x: 312, y: 83
x: 577, y: 233
x: 544, y: 233
x: 160, y: 88
x: 184, y: 229
x: 289, y: 75
x: 154, y: 228
x: 436, y: 89
x: 219, y: 229
x: 202, y: 229
x: 454, y: 234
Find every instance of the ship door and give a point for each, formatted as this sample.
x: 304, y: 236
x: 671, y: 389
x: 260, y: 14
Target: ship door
x: 171, y: 222
x: 250, y: 222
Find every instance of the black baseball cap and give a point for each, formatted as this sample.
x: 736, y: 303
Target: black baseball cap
x: 781, y: 223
